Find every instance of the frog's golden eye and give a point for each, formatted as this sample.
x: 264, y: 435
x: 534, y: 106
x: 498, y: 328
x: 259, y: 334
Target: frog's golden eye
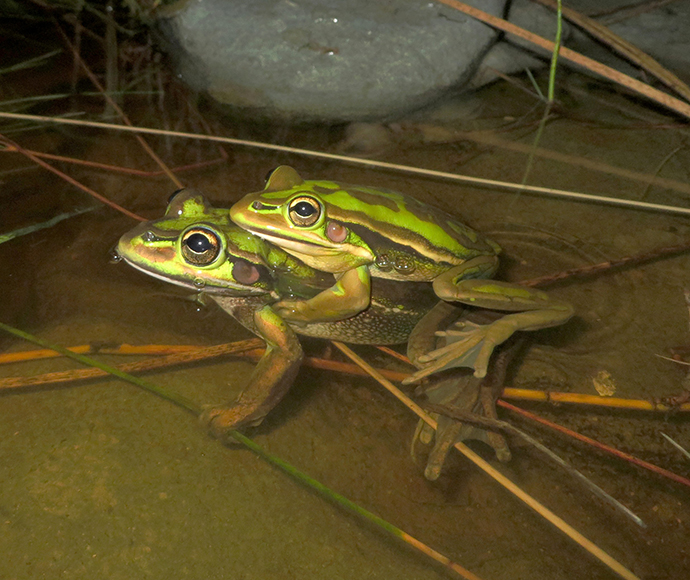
x: 304, y: 211
x: 200, y: 246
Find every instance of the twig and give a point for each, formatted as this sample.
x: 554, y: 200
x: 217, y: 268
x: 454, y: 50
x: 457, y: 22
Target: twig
x: 591, y: 269
x: 626, y: 11
x: 12, y: 383
x: 115, y: 106
x: 255, y: 350
x: 676, y: 445
x: 558, y: 398
x: 680, y: 107
x: 252, y: 348
x: 489, y: 423
x: 11, y: 144
x: 99, y: 348
x: 660, y: 166
x: 601, y: 446
x: 623, y: 47
x: 491, y: 139
x: 6, y: 237
x: 314, y: 484
x: 594, y: 400
x: 547, y: 514
x: 125, y: 170
x: 477, y: 181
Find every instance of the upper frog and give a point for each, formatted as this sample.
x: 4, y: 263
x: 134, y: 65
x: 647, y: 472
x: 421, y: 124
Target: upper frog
x: 335, y: 227
x: 359, y: 232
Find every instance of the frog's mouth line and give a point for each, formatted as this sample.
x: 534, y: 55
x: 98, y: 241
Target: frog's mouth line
x: 230, y: 289
x: 315, y: 248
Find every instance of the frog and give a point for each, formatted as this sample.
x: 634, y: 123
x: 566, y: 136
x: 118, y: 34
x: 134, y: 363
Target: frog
x: 198, y: 247
x: 362, y: 233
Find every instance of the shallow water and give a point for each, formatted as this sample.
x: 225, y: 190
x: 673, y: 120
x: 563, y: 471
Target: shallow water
x: 102, y: 480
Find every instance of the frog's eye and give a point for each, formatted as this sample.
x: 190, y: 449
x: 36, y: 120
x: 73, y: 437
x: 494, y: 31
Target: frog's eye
x: 304, y: 211
x: 200, y: 246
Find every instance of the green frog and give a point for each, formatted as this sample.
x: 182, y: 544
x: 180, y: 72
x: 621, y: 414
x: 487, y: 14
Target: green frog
x: 197, y: 246
x: 361, y: 234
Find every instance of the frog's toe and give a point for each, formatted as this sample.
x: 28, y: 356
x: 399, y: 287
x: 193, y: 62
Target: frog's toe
x: 455, y: 355
x: 450, y: 432
x: 459, y: 391
x: 220, y: 420
x: 447, y: 435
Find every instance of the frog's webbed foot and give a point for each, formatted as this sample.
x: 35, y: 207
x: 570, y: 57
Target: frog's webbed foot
x: 467, y: 344
x: 464, y: 392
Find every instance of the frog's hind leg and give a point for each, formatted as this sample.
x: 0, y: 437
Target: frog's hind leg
x: 521, y: 309
x: 272, y: 378
x: 464, y: 391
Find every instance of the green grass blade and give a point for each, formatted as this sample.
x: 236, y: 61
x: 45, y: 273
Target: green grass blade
x: 284, y: 466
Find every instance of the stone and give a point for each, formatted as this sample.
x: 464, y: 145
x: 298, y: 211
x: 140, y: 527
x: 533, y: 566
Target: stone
x: 326, y: 60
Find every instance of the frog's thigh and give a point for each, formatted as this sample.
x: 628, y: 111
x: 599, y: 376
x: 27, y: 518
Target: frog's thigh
x: 454, y: 286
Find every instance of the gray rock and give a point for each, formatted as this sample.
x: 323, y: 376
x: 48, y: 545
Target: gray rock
x: 361, y: 60
x: 327, y: 60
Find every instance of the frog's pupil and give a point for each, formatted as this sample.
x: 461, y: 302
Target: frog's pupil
x: 198, y: 243
x: 303, y: 209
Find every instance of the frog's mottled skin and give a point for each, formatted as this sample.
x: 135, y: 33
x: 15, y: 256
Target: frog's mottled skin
x: 359, y: 233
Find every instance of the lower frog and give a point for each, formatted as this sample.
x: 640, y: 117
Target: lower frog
x: 196, y: 246
x: 362, y: 233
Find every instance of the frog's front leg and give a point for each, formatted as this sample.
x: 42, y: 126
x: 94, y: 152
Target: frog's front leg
x: 270, y: 380
x: 350, y: 295
x: 472, y: 345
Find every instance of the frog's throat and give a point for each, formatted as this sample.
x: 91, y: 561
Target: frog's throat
x: 228, y: 287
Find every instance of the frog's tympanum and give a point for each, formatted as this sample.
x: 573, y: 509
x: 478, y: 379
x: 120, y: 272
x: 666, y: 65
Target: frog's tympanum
x: 362, y: 233
x: 198, y: 247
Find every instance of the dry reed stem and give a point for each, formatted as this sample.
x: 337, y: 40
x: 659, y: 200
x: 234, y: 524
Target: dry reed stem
x: 623, y: 47
x: 680, y: 107
x: 594, y: 443
x: 445, y: 175
x: 542, y: 510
